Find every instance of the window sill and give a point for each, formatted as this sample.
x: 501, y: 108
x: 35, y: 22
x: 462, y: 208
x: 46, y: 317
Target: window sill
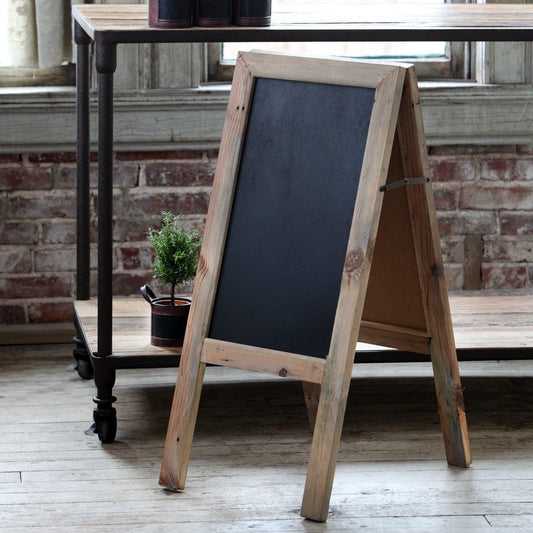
x: 43, y: 119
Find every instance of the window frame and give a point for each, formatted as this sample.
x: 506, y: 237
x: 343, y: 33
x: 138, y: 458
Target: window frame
x: 457, y: 63
x: 38, y: 77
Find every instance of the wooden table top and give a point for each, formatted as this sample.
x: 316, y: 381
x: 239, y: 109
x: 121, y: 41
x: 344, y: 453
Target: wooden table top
x: 347, y: 21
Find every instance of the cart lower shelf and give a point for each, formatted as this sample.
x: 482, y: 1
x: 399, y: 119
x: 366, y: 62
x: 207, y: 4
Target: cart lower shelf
x: 483, y: 322
x: 131, y: 329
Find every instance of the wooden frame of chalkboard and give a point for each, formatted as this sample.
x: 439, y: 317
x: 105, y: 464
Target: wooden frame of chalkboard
x: 321, y: 231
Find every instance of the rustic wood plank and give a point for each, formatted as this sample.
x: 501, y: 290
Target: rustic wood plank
x: 330, y: 415
x: 348, y: 15
x: 131, y: 328
x: 283, y: 364
x: 251, y: 447
x: 432, y: 280
x: 395, y: 336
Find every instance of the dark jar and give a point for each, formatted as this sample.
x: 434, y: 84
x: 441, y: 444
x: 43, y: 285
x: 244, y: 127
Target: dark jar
x: 170, y: 13
x: 252, y: 12
x: 213, y: 12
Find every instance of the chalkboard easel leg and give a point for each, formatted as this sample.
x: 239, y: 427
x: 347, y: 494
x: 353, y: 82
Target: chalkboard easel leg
x: 326, y: 441
x: 448, y: 386
x: 311, y: 397
x: 182, y: 422
x: 432, y: 279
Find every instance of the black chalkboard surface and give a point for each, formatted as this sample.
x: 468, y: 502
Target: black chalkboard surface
x: 292, y: 212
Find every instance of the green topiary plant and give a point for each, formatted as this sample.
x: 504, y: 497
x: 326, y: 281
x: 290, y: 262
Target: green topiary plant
x: 176, y: 252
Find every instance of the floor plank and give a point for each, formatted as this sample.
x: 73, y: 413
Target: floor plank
x: 250, y: 452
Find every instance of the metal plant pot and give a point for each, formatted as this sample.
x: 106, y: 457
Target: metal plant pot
x: 168, y: 321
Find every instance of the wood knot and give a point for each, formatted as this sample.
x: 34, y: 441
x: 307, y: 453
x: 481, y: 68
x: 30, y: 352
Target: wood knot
x: 283, y: 372
x: 354, y: 263
x: 437, y: 271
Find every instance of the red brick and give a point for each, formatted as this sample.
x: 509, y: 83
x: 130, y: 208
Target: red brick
x: 449, y: 169
x: 504, y: 277
x: 66, y: 177
x: 502, y: 169
x: 50, y: 311
x: 453, y: 249
x: 478, y: 196
x: 123, y: 176
x: 185, y: 202
x: 62, y: 260
x: 10, y: 158
x: 15, y: 261
x: 137, y: 257
x: 18, y: 232
x: 12, y: 313
x: 132, y: 230
x: 505, y: 250
x: 152, y: 156
x: 446, y: 198
x: 126, y: 284
x: 50, y: 204
x: 29, y: 287
x: 179, y: 174
x: 454, y: 275
x: 55, y: 260
x: 467, y: 223
x: 53, y: 157
x: 59, y: 232
x: 516, y: 223
x: 25, y: 178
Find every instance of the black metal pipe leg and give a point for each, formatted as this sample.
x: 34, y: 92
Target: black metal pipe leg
x: 106, y: 62
x: 83, y: 360
x: 83, y: 41
x: 82, y: 165
x: 104, y: 415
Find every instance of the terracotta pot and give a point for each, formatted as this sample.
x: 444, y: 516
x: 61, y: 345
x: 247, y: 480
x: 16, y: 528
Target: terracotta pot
x: 169, y: 322
x: 170, y: 13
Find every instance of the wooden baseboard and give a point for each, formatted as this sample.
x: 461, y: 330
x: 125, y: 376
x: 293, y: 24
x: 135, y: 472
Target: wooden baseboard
x: 56, y: 333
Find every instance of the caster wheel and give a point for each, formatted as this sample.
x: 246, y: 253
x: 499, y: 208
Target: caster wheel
x: 106, y: 426
x: 85, y: 369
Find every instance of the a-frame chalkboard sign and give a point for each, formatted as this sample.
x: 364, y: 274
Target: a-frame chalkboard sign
x: 321, y: 232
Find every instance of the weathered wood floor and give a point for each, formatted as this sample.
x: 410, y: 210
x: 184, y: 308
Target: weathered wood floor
x: 250, y: 453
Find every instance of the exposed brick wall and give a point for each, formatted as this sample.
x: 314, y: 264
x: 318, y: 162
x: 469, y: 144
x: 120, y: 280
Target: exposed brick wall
x: 484, y: 199
x: 38, y: 224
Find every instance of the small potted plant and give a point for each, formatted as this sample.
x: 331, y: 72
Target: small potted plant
x: 176, y: 260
